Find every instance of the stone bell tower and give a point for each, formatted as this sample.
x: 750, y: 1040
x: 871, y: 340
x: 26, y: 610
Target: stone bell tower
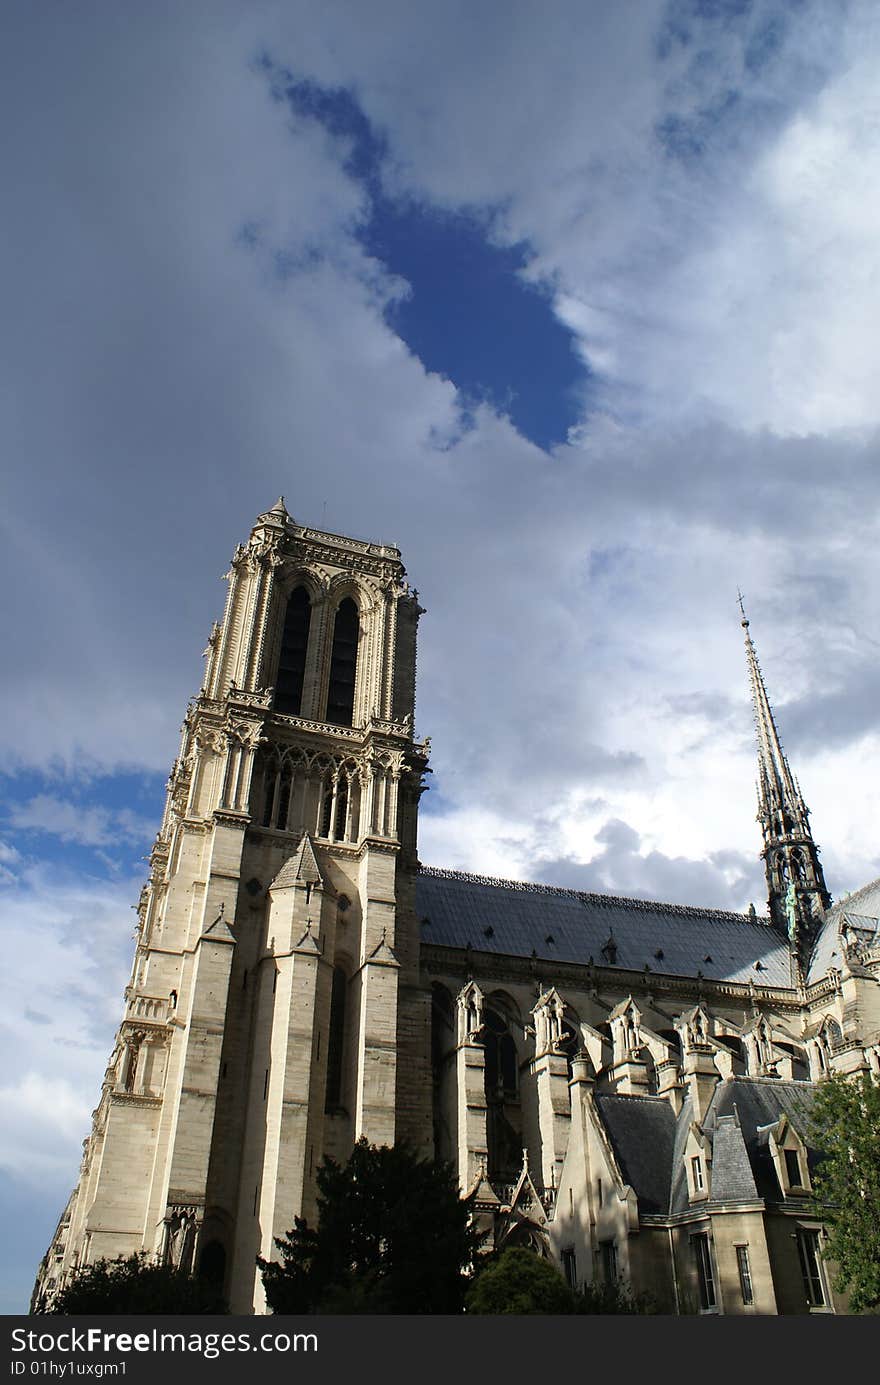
x: 273, y: 1014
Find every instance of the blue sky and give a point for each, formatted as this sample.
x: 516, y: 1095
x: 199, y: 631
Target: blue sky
x: 468, y: 310
x: 576, y: 303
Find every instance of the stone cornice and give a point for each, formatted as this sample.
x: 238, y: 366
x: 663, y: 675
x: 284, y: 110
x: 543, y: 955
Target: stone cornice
x: 231, y: 817
x: 700, y: 1211
x: 336, y: 550
x: 381, y: 844
x: 375, y: 732
x: 437, y: 959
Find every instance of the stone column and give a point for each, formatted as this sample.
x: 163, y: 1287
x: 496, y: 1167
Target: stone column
x: 471, y: 1120
x: 554, y: 1113
x: 375, y: 1000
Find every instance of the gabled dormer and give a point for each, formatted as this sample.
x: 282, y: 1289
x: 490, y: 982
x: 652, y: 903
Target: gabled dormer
x: 698, y: 1164
x: 790, y: 1160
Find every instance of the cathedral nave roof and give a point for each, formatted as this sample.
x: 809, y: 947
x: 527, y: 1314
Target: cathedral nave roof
x: 522, y: 920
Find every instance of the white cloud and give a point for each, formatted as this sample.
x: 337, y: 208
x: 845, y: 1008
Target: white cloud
x: 68, y: 942
x: 73, y: 822
x: 573, y: 603
x: 42, y: 1123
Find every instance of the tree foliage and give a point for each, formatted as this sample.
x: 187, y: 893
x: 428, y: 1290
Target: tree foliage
x: 612, y: 1298
x: 133, y: 1284
x: 519, y: 1281
x: 845, y: 1126
x: 393, y: 1236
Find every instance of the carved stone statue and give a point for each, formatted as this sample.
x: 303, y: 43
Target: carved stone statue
x: 791, y: 910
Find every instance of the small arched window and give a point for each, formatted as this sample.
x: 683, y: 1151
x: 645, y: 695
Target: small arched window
x: 343, y: 664
x: 292, y: 661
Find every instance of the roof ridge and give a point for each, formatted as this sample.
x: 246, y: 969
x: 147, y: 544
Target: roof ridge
x: 588, y: 896
x: 655, y: 1097
x: 840, y: 905
x: 775, y: 1082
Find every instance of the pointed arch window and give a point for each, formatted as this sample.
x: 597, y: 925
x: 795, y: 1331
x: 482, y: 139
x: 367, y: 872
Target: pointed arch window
x: 569, y: 1044
x: 799, y: 869
x: 292, y: 660
x: 343, y: 664
x: 502, y: 1066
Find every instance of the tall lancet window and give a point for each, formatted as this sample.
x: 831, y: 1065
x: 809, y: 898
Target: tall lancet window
x: 343, y: 663
x: 292, y: 663
x: 336, y: 1040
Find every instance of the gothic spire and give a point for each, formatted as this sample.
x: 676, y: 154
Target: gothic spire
x: 795, y: 882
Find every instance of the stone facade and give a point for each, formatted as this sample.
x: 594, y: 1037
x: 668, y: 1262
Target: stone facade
x: 624, y: 1084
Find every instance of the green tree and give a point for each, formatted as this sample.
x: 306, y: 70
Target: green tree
x: 393, y: 1236
x: 133, y: 1284
x: 845, y: 1127
x: 519, y: 1281
x: 612, y: 1298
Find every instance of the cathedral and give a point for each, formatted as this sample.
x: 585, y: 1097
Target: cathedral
x: 621, y: 1084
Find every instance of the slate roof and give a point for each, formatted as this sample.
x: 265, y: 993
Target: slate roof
x: 827, y: 950
x: 865, y: 901
x: 649, y: 1141
x: 522, y: 920
x: 732, y: 1177
x: 642, y: 1134
x: 759, y: 1102
x: 301, y: 866
x: 863, y: 910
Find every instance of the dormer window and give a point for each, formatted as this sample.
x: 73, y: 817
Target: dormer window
x: 793, y: 1168
x: 609, y: 951
x: 697, y: 1173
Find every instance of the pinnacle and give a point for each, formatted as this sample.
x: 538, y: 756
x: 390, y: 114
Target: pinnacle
x: 781, y: 807
x: 278, y: 515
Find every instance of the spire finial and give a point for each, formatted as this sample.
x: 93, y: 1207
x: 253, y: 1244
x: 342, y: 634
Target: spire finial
x: 745, y: 620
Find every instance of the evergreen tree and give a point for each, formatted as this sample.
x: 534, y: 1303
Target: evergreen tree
x: 845, y: 1126
x: 393, y: 1236
x: 133, y: 1284
x: 519, y: 1281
